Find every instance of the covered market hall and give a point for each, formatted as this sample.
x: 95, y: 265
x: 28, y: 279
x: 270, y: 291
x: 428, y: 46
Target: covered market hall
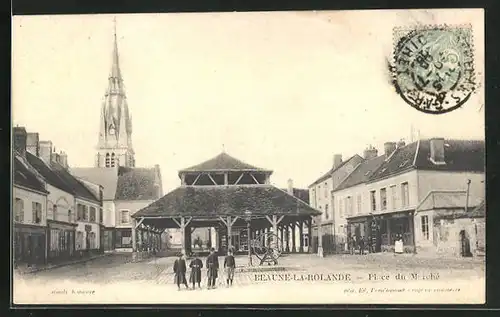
x: 233, y: 198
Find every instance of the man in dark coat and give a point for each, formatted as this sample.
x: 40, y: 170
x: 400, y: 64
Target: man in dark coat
x: 212, y: 268
x: 180, y: 271
x: 229, y: 265
x: 196, y: 265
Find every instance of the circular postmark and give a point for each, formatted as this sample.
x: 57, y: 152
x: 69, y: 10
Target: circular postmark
x: 433, y: 68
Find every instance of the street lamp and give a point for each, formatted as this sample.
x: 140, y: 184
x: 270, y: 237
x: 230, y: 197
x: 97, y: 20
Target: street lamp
x: 248, y: 219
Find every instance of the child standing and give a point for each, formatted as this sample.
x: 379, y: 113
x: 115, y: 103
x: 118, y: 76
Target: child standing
x: 229, y: 265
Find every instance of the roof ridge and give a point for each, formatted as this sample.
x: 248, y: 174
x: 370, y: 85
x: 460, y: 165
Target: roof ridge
x: 332, y: 170
x: 64, y: 170
x: 69, y: 187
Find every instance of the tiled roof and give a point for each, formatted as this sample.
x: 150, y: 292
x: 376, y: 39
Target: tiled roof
x: 106, y: 177
x: 302, y: 194
x: 136, y: 184
x: 227, y: 200
x: 79, y: 189
x: 48, y: 174
x: 447, y: 199
x: 362, y: 172
x: 479, y: 211
x: 331, y: 171
x: 26, y: 178
x: 460, y: 155
x: 222, y: 162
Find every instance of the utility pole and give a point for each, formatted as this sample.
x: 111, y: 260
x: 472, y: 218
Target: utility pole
x: 467, y: 196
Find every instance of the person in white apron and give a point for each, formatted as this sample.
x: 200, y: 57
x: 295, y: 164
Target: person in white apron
x: 398, y: 244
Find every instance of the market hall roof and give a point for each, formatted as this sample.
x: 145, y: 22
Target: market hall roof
x: 223, y: 162
x: 213, y: 201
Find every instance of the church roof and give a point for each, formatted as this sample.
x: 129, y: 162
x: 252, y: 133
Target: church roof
x: 232, y: 200
x: 106, y: 177
x: 123, y: 183
x: 222, y: 162
x: 136, y: 184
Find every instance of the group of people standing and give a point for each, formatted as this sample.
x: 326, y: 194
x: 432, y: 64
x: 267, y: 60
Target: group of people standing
x: 196, y: 265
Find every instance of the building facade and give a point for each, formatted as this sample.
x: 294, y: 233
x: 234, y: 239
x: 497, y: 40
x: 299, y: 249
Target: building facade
x: 391, y: 194
x: 57, y: 217
x: 320, y: 197
x: 29, y: 203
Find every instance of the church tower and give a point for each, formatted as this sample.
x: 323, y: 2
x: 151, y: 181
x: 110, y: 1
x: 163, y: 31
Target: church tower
x: 115, y: 133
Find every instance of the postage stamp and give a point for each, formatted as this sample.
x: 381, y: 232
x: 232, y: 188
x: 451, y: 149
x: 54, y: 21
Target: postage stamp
x: 433, y: 67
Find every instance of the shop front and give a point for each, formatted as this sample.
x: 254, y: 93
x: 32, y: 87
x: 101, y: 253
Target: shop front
x: 29, y: 244
x: 381, y: 231
x: 60, y: 240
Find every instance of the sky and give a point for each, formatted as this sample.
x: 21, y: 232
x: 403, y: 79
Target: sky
x: 279, y: 90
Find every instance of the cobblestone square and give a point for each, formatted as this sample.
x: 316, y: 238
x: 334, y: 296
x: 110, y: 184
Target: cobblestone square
x: 305, y: 274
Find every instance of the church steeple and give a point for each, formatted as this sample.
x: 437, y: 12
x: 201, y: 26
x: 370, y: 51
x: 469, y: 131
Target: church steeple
x: 115, y: 135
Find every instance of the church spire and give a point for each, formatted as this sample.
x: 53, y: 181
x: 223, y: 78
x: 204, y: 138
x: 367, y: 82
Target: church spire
x: 115, y: 136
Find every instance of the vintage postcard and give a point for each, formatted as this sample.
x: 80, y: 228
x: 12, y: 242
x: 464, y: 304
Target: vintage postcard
x: 300, y: 157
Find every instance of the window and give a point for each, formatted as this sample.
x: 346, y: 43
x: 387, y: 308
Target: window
x: 112, y: 159
x: 125, y: 216
x: 54, y: 239
x: 383, y: 199
x: 373, y: 200
x: 425, y: 227
x: 80, y: 212
x: 19, y: 210
x: 86, y: 215
x: 37, y: 212
x: 404, y: 194
x: 108, y: 163
x: 326, y: 190
x: 359, y: 204
x: 101, y: 216
x: 92, y: 214
x: 326, y: 212
x: 54, y: 212
x: 70, y: 216
x: 79, y: 240
x: 393, y: 197
x: 348, y: 206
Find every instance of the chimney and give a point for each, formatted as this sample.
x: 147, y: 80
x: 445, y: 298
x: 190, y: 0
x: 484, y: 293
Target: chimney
x: 337, y: 160
x: 370, y: 152
x: 63, y: 159
x: 45, y: 150
x: 400, y: 143
x: 389, y: 147
x: 20, y: 136
x: 290, y: 187
x: 32, y: 143
x: 437, y: 150
x: 54, y: 157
